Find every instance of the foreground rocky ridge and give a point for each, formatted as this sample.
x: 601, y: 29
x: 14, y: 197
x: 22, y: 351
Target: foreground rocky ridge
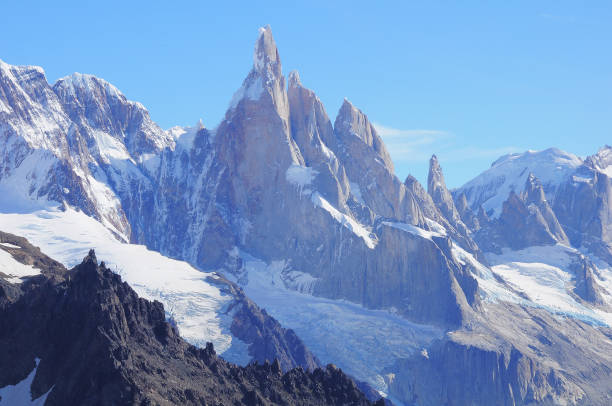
x: 87, y: 316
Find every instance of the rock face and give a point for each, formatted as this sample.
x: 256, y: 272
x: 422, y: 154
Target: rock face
x: 526, y: 220
x: 503, y: 362
x: 443, y: 200
x: 92, y: 318
x: 586, y: 286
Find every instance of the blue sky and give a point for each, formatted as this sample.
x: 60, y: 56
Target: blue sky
x: 467, y: 80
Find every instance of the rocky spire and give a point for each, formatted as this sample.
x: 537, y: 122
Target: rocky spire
x: 294, y: 79
x: 465, y: 211
x: 265, y: 57
x: 436, y: 187
x: 534, y: 193
x: 435, y: 179
x: 353, y: 122
x: 265, y: 82
x: 526, y: 220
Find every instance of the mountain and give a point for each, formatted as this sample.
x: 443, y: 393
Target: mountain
x: 63, y: 322
x: 281, y: 233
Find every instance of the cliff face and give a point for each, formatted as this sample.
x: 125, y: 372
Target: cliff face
x: 60, y: 328
x: 511, y: 356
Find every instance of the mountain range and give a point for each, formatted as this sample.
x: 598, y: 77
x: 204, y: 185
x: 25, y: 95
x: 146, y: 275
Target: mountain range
x: 280, y: 235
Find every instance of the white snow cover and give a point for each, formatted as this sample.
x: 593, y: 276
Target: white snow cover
x: 543, y: 276
x: 89, y: 83
x: 409, y: 228
x: 492, y: 187
x: 13, y: 269
x: 46, y: 120
x: 363, y: 342
x: 301, y: 177
x: 109, y: 147
x: 198, y: 307
x: 356, y: 191
x: 251, y: 90
x: 184, y: 136
x: 9, y: 245
x: 19, y: 188
x: 355, y: 227
x: 20, y: 394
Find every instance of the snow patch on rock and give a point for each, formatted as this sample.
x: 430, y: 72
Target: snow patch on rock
x: 355, y: 227
x: 20, y: 393
x: 13, y: 269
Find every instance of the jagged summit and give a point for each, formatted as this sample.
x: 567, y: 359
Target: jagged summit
x: 435, y: 173
x: 87, y: 82
x: 294, y: 79
x: 266, y: 55
x: 6, y: 68
x: 266, y: 77
x: 534, y: 193
x: 351, y: 120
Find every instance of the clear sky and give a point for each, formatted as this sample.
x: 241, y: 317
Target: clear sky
x: 467, y: 80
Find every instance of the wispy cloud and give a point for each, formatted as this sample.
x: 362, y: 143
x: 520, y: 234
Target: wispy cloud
x: 470, y: 152
x: 410, y: 145
x: 557, y: 17
x: 384, y: 131
x: 417, y: 145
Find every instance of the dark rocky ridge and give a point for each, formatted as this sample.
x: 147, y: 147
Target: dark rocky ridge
x: 91, y: 318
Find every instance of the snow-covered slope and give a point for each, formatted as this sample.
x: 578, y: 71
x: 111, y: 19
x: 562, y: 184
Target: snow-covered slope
x: 545, y: 276
x: 199, y: 307
x: 509, y: 173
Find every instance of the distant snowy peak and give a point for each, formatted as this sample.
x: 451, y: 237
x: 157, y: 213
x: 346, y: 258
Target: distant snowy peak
x: 601, y: 161
x: 98, y: 106
x: 29, y: 110
x: 510, y: 173
x: 87, y: 84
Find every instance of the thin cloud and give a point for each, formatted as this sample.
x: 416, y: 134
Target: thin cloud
x: 385, y: 131
x: 417, y: 146
x: 466, y: 153
x: 557, y: 17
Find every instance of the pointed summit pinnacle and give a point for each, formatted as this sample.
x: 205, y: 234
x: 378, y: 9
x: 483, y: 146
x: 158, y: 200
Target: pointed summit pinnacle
x: 294, y: 79
x: 435, y: 178
x: 266, y: 54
